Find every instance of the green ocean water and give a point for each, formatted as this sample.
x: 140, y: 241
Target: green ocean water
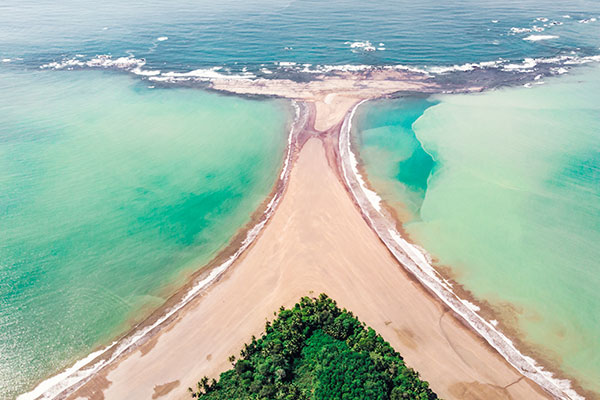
x: 111, y: 193
x: 504, y: 187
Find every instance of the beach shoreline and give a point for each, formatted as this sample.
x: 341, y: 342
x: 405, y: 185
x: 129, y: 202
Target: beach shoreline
x: 326, y: 114
x: 79, y: 372
x: 388, y: 226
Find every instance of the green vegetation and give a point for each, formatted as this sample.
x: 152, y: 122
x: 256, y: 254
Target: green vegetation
x: 316, y: 351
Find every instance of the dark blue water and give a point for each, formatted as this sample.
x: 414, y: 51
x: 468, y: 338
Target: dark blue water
x: 259, y: 34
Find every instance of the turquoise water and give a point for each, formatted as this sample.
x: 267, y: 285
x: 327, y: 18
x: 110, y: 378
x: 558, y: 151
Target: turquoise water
x: 390, y: 149
x: 111, y: 193
x: 510, y: 203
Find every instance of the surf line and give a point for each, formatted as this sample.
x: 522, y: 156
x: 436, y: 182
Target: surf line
x: 415, y: 262
x: 66, y: 382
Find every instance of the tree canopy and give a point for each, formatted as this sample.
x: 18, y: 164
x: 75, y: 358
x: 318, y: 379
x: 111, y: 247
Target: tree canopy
x: 316, y: 351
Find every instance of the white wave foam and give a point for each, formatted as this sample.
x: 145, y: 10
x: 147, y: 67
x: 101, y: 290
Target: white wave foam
x: 361, y: 46
x: 520, y: 30
x: 526, y: 65
x: 64, y: 379
x: 145, y: 72
x: 472, y: 306
x: 129, y: 63
x: 78, y: 374
x: 560, y: 71
x: 201, y: 75
x: 135, y: 66
x: 537, y: 38
x: 162, y: 38
x: 100, y: 61
x: 464, y: 67
x: 534, y: 28
x: 6, y: 60
x: 417, y: 263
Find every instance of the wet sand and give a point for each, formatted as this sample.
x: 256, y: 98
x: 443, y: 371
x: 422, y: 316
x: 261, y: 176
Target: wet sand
x: 317, y: 241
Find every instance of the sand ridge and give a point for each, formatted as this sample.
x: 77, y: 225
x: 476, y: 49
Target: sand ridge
x: 317, y: 241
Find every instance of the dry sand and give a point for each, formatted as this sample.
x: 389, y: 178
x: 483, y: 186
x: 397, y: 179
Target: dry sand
x: 317, y: 241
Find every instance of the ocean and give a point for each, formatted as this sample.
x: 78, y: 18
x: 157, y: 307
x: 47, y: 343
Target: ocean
x: 120, y: 176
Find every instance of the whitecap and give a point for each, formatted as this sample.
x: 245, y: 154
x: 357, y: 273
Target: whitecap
x: 526, y: 65
x: 129, y: 63
x: 162, y: 38
x: 6, y: 60
x: 520, y: 30
x: 537, y: 38
x: 463, y: 67
x: 144, y: 72
x: 364, y: 46
x: 199, y: 75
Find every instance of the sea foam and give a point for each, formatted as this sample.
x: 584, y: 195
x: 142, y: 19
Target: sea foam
x: 537, y: 38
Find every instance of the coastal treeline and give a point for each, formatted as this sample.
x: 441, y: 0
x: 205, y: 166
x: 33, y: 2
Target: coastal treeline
x: 316, y: 351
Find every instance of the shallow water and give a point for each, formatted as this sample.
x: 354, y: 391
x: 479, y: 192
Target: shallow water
x: 111, y: 193
x: 510, y: 203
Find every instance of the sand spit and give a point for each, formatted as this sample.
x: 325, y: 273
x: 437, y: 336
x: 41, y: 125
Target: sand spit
x: 332, y: 94
x: 317, y: 240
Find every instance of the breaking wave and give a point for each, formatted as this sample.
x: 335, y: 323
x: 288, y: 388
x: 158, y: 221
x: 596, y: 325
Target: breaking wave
x: 496, y: 72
